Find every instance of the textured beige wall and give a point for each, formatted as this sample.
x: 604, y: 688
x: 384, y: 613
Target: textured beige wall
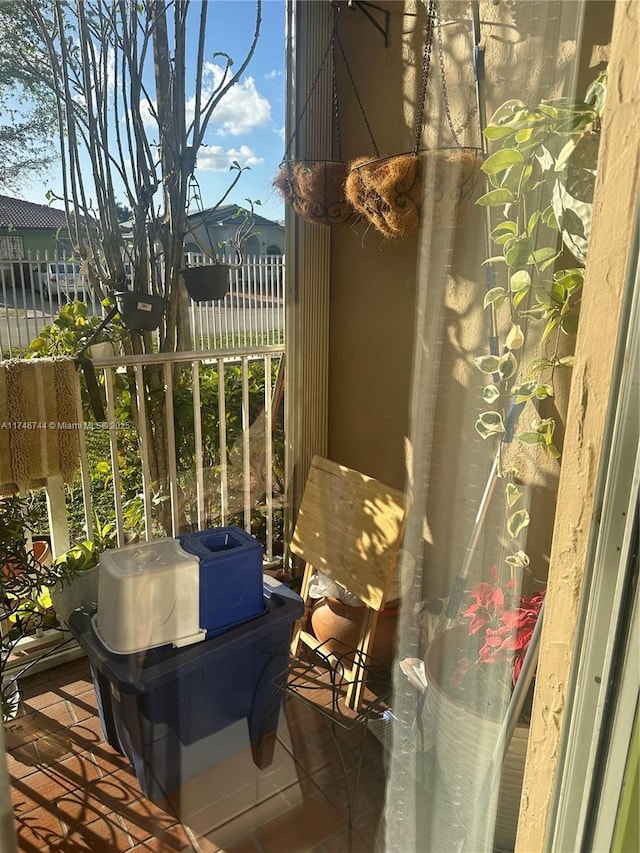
x: 615, y: 204
x: 374, y: 281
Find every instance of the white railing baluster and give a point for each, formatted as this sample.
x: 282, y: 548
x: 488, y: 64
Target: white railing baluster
x: 222, y: 428
x: 195, y: 318
x: 113, y: 447
x: 246, y: 445
x: 174, y: 492
x: 197, y: 429
x: 144, y: 450
x: 261, y: 302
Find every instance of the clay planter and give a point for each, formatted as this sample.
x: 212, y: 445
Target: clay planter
x: 339, y: 624
x: 464, y: 742
x: 41, y: 553
x: 389, y: 191
x: 315, y: 190
x: 207, y: 282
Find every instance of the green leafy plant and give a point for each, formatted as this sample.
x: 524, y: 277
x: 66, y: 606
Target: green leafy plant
x: 79, y: 558
x: 541, y: 179
x: 70, y: 330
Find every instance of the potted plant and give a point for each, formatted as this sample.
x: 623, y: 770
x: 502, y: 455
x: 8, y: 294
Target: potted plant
x: 471, y: 670
x: 315, y: 190
x: 73, y: 576
x: 73, y: 580
x: 208, y: 282
x: 538, y: 302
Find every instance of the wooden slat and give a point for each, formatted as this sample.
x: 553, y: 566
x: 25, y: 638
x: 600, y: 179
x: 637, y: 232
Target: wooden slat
x: 349, y: 528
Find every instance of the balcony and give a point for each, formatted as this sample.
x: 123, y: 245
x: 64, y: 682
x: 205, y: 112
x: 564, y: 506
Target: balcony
x: 70, y: 789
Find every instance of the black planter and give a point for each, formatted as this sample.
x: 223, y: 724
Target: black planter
x: 140, y: 311
x: 207, y: 282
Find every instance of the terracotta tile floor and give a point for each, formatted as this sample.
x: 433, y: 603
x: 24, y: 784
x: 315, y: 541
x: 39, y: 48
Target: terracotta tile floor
x: 72, y: 792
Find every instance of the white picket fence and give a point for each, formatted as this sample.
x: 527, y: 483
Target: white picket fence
x: 251, y: 314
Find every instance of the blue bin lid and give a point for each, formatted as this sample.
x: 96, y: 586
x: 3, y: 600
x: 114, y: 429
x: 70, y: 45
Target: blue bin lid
x: 145, y: 671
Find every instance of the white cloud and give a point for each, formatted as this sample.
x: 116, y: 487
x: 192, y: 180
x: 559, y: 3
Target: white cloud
x: 270, y: 75
x: 241, y: 110
x: 213, y: 158
x: 279, y: 131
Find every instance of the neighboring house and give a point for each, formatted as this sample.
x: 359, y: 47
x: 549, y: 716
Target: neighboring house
x: 29, y: 228
x: 217, y: 228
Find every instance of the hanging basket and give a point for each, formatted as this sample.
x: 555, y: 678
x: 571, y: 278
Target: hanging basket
x: 207, y: 282
x: 389, y: 191
x: 139, y: 311
x: 315, y: 189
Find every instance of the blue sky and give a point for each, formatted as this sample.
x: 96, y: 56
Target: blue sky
x: 248, y: 125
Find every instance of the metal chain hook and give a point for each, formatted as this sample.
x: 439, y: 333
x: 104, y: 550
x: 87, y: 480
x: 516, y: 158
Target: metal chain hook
x: 445, y: 93
x: 424, y: 76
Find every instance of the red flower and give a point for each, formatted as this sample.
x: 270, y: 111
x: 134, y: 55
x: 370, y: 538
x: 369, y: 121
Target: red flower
x: 505, y: 625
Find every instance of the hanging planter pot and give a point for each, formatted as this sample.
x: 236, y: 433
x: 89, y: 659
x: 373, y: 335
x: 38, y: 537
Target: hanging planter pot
x: 207, y: 282
x: 315, y: 189
x: 140, y: 311
x: 389, y: 192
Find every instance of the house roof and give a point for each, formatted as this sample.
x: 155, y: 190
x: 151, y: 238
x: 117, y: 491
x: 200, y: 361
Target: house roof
x: 16, y: 213
x: 228, y: 214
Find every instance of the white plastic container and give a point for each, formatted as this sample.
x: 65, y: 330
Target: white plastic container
x: 148, y: 596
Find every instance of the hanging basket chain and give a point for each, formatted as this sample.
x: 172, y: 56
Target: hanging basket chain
x: 316, y: 80
x: 336, y: 102
x: 424, y: 76
x: 334, y: 40
x: 445, y: 93
x: 357, y: 95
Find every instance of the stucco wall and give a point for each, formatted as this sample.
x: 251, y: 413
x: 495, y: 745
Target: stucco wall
x: 374, y: 281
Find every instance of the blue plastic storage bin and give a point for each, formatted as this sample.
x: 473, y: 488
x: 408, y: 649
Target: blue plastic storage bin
x: 230, y: 576
x: 177, y: 713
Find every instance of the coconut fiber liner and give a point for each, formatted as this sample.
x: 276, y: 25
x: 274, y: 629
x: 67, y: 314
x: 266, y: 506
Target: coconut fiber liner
x: 389, y: 192
x: 315, y: 190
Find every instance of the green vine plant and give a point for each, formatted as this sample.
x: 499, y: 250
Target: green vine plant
x: 541, y: 179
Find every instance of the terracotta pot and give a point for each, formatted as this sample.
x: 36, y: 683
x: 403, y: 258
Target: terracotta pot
x: 464, y: 743
x: 339, y: 625
x: 41, y: 553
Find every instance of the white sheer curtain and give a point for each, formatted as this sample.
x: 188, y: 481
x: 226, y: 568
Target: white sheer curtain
x: 438, y: 794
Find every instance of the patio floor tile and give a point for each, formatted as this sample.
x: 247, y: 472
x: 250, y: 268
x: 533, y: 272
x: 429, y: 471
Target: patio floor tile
x: 73, y: 793
x: 300, y: 828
